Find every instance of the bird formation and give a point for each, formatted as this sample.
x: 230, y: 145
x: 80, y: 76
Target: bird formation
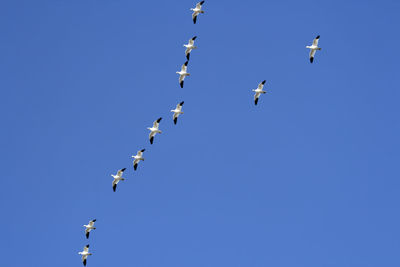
x: 176, y: 112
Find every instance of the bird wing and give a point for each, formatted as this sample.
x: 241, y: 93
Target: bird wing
x: 152, y: 134
x: 155, y: 124
x: 315, y: 42
x: 312, y: 53
x: 261, y: 85
x: 179, y: 107
x: 256, y: 95
x: 135, y: 161
x: 187, y: 51
x: 198, y: 5
x: 194, y: 17
x: 175, y: 115
x: 91, y: 223
x: 181, y: 78
x: 139, y: 153
x: 184, y: 67
x: 86, y: 248
x: 120, y: 172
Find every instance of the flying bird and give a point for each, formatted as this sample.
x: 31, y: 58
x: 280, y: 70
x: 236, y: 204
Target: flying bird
x: 154, y: 130
x: 313, y: 48
x: 89, y: 227
x: 85, y: 253
x: 138, y: 157
x: 183, y: 73
x: 189, y: 47
x: 196, y: 11
x: 118, y: 177
x: 177, y: 111
x: 258, y: 91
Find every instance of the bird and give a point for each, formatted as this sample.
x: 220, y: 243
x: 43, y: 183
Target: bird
x: 258, y: 91
x: 138, y: 157
x: 89, y: 227
x: 154, y: 130
x: 196, y: 11
x: 189, y: 47
x: 118, y: 177
x: 177, y: 111
x: 85, y: 253
x: 183, y: 73
x: 313, y: 48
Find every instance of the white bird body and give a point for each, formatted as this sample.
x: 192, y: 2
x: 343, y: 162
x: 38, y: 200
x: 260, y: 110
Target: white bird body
x: 196, y: 11
x: 313, y: 48
x: 177, y: 111
x: 137, y: 158
x: 154, y: 130
x: 118, y: 177
x: 183, y: 73
x: 189, y: 47
x: 85, y: 253
x: 89, y: 227
x: 259, y: 91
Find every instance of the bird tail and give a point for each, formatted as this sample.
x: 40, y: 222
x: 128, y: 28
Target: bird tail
x: 319, y: 48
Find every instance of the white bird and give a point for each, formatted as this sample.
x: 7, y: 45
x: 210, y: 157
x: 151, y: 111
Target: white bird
x: 258, y: 91
x: 154, y: 130
x: 118, y: 177
x: 313, y: 48
x: 177, y: 111
x: 183, y: 73
x: 85, y: 253
x: 89, y: 227
x: 138, y: 157
x: 189, y: 47
x: 196, y: 11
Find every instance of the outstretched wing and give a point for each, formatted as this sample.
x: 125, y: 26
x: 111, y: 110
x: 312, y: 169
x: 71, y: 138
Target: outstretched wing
x: 194, y: 17
x: 121, y: 171
x: 315, y: 42
x: 199, y: 4
x: 261, y: 85
x: 312, y: 53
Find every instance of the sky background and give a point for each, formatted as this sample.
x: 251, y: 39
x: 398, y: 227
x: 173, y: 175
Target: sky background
x: 309, y: 177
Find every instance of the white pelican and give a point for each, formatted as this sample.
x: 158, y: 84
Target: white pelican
x: 196, y: 11
x: 89, y: 227
x: 177, y: 111
x: 154, y: 130
x: 117, y: 178
x: 189, y: 47
x: 258, y: 91
x: 85, y: 253
x: 183, y: 73
x: 138, y: 157
x: 313, y: 48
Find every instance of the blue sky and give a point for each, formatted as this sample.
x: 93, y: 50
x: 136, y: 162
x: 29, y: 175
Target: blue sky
x: 309, y: 177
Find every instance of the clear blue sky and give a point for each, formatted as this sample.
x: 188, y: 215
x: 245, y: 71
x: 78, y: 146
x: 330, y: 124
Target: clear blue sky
x: 309, y: 177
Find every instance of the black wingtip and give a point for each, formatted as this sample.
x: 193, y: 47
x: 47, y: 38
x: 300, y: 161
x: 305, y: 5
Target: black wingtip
x: 175, y: 120
x: 181, y: 84
x: 87, y: 245
x: 94, y: 220
x: 186, y: 63
x: 151, y: 140
x: 159, y: 119
x: 188, y: 56
x: 256, y: 101
x: 263, y: 82
x: 123, y: 169
x: 317, y: 37
x: 87, y: 235
x: 194, y: 37
x: 194, y: 20
x: 84, y: 262
x: 182, y: 103
x: 202, y: 2
x: 135, y: 167
x: 311, y: 59
x: 114, y: 187
x: 143, y: 150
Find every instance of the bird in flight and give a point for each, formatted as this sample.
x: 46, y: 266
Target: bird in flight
x: 138, y: 157
x: 154, y: 130
x: 85, y: 253
x: 118, y: 177
x: 189, y: 47
x: 177, y: 111
x: 313, y: 48
x: 196, y: 11
x: 183, y: 73
x: 89, y: 227
x: 258, y: 91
